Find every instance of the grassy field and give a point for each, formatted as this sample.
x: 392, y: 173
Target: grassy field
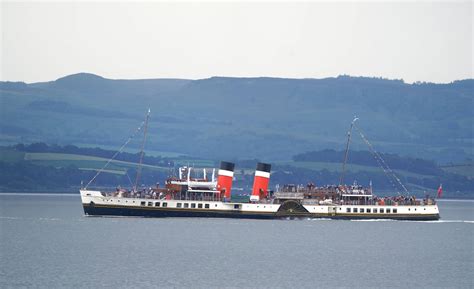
x: 164, y: 154
x: 7, y: 155
x: 59, y: 157
x: 64, y: 160
x: 464, y: 170
x: 337, y: 167
x: 115, y: 172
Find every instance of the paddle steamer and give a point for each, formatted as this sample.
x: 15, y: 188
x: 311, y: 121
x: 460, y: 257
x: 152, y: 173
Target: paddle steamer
x: 210, y: 196
x: 190, y: 197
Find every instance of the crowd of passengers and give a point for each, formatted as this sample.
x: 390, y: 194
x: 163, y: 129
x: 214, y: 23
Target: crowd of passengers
x: 311, y: 187
x: 391, y: 201
x: 150, y: 193
x: 144, y: 193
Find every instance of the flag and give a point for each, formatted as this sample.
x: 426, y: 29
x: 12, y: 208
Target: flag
x: 440, y: 191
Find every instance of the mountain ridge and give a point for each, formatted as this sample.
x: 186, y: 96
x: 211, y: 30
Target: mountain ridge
x: 341, y: 76
x: 249, y: 117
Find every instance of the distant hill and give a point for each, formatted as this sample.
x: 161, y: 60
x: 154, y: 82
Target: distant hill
x: 264, y: 118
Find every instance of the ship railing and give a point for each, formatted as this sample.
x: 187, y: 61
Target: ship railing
x: 425, y: 202
x: 311, y: 202
x: 282, y: 195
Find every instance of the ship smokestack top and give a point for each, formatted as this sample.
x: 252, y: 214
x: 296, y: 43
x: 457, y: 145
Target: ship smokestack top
x: 264, y: 167
x: 227, y: 166
x: 260, y: 182
x: 224, y: 179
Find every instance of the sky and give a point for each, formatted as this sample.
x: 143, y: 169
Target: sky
x: 413, y: 41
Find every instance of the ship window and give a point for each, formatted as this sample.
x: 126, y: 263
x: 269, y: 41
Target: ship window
x: 206, y: 206
x: 375, y: 210
x: 118, y: 201
x: 367, y: 210
x: 361, y: 210
x: 186, y: 205
x: 143, y: 203
x: 236, y: 206
x: 340, y: 209
x: 348, y: 210
x: 415, y: 209
x: 193, y: 205
x: 178, y: 205
x: 394, y: 211
x: 150, y: 203
x: 165, y: 205
x: 354, y: 210
x: 215, y: 205
x: 388, y: 210
x: 408, y: 209
x: 381, y: 210
x: 200, y: 206
x: 157, y: 204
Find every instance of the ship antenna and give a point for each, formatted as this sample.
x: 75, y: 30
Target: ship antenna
x: 346, y: 154
x: 139, y: 169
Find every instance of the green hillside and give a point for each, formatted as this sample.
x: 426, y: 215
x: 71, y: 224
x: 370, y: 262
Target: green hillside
x: 265, y: 118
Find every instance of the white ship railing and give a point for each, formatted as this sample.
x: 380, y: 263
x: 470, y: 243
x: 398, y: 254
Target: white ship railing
x: 281, y: 195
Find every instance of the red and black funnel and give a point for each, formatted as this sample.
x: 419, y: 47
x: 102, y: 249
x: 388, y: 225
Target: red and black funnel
x: 224, y: 179
x: 260, y: 182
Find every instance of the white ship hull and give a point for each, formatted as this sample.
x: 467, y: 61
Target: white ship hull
x: 96, y: 204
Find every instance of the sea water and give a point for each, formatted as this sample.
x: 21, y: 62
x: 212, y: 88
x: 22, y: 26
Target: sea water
x: 47, y: 242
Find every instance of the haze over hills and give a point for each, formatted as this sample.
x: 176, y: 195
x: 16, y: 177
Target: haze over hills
x: 241, y: 118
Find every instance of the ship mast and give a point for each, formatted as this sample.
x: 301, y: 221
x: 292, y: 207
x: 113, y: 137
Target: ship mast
x: 139, y: 169
x: 346, y: 154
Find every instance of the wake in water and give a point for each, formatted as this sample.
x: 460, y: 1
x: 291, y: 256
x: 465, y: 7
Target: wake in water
x: 451, y: 221
x: 319, y: 219
x: 374, y: 220
x: 407, y: 221
x: 23, y: 218
x: 42, y: 194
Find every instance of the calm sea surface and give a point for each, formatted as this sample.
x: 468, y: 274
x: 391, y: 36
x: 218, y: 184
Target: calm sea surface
x: 46, y: 242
